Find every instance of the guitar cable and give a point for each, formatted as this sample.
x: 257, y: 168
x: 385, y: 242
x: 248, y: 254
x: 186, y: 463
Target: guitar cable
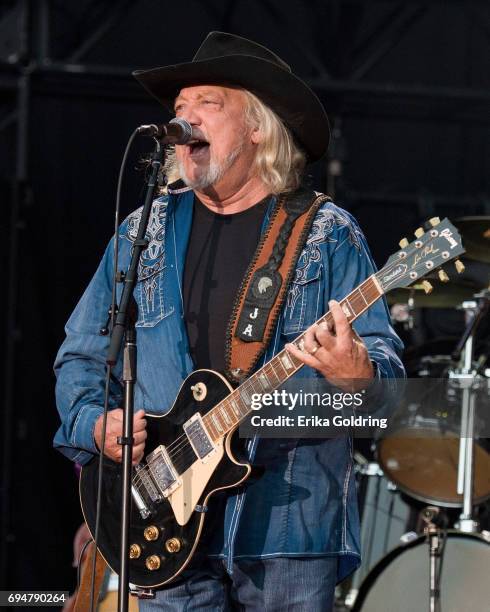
x: 112, y: 314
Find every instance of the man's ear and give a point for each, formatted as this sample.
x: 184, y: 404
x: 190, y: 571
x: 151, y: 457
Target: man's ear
x: 256, y: 135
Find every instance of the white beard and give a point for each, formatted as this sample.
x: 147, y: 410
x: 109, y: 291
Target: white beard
x: 212, y: 173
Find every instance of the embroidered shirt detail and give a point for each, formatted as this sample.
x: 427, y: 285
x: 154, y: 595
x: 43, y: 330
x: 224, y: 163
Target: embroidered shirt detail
x: 326, y: 220
x: 152, y: 258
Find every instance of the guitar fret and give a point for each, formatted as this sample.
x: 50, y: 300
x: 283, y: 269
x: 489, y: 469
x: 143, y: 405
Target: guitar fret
x: 279, y: 361
x: 210, y: 426
x: 232, y: 410
x: 286, y: 361
x: 264, y: 380
x: 225, y: 414
x: 362, y: 295
x: 244, y: 395
x: 216, y: 422
x: 219, y: 416
x: 254, y: 385
x: 348, y: 309
x: 273, y: 371
x: 236, y: 408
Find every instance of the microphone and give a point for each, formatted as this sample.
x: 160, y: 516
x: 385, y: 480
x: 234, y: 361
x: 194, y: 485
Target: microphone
x: 177, y: 131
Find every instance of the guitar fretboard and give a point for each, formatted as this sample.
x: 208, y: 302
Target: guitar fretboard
x: 235, y: 407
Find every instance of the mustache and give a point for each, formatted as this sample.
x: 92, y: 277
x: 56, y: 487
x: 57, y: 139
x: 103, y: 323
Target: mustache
x: 198, y: 134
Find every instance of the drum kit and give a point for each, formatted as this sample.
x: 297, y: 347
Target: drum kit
x: 421, y: 496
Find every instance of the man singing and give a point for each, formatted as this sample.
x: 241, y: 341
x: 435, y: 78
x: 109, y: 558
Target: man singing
x: 288, y: 537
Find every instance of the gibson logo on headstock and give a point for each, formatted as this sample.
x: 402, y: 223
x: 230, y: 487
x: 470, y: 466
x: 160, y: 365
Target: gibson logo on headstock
x: 448, y: 235
x: 428, y: 250
x: 398, y: 271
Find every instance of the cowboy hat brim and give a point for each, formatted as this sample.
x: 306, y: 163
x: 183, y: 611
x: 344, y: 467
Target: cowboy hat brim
x: 294, y: 102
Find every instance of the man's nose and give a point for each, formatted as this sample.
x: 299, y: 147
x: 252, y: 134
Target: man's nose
x: 190, y: 114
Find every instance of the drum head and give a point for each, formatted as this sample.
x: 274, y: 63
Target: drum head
x: 400, y: 582
x: 424, y: 464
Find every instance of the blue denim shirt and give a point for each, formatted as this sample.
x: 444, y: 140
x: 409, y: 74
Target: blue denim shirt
x: 305, y: 503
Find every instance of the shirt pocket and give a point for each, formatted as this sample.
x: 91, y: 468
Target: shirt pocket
x: 304, y: 299
x: 149, y: 296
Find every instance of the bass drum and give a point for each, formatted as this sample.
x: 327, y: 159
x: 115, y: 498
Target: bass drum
x: 400, y: 581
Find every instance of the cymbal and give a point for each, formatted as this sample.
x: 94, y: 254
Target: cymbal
x: 476, y: 236
x: 447, y: 295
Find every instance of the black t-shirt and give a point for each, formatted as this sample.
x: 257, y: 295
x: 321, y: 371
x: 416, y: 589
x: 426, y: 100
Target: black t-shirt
x: 219, y: 251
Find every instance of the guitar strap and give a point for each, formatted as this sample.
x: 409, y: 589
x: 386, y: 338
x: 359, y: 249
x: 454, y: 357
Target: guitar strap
x: 264, y: 288
x: 82, y: 603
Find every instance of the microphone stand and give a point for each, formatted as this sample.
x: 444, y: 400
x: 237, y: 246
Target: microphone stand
x: 122, y: 328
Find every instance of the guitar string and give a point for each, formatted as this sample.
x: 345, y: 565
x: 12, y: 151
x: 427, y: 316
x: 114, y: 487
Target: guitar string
x: 355, y: 299
x: 181, y: 447
x: 182, y: 444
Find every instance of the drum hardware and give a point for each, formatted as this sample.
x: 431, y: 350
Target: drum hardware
x: 400, y: 581
x: 408, y: 537
x: 468, y: 381
x: 463, y: 585
x: 436, y: 549
x: 421, y: 451
x: 444, y: 296
x: 385, y: 517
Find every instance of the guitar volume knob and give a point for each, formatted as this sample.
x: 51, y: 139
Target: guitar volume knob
x: 173, y: 545
x: 134, y: 551
x: 151, y: 533
x: 153, y: 562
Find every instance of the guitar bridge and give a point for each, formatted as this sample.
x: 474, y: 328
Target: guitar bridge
x: 144, y: 491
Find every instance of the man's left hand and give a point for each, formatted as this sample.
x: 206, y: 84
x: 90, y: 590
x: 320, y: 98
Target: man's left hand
x: 337, y: 352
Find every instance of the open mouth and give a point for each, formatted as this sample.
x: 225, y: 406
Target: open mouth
x: 197, y: 147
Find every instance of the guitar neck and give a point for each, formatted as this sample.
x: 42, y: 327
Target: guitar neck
x: 225, y: 416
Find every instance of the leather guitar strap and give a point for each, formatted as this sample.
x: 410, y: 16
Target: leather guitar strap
x: 264, y: 287
x: 82, y: 603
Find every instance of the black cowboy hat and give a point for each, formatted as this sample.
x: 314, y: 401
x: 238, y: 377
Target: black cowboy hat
x: 228, y: 59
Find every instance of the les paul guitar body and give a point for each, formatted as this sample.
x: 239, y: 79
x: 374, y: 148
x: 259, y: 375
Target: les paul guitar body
x: 194, y: 453
x: 163, y: 543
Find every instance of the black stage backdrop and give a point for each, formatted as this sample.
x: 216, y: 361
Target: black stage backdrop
x: 412, y: 141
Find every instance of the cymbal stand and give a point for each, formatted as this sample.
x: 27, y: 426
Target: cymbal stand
x: 468, y: 380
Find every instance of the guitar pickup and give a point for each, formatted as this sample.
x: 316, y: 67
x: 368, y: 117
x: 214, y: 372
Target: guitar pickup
x: 198, y: 436
x: 163, y: 473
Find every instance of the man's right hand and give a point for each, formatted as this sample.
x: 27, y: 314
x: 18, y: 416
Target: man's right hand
x: 114, y: 429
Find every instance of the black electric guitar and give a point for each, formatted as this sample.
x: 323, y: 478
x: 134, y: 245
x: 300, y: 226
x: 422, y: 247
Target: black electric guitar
x: 192, y: 454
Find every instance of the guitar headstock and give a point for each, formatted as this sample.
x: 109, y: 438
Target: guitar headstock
x: 432, y: 248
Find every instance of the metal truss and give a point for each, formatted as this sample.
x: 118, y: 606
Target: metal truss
x: 351, y: 91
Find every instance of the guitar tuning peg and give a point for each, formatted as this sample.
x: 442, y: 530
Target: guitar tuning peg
x: 443, y: 277
x: 403, y: 243
x: 434, y: 221
x: 459, y: 265
x: 427, y: 287
x: 419, y: 232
